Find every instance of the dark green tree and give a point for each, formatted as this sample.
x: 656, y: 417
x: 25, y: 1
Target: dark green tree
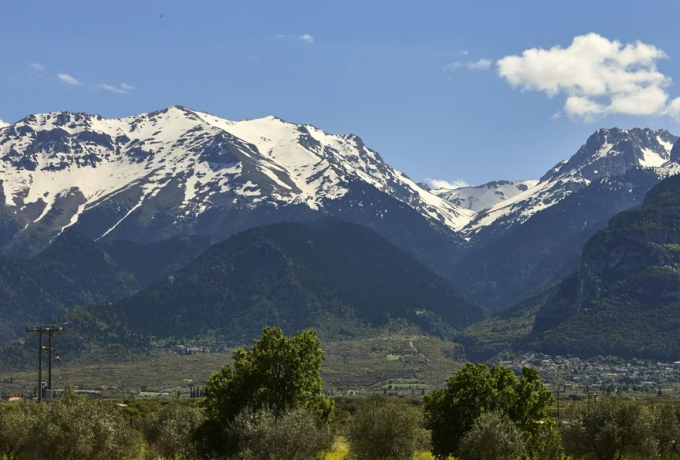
x: 475, y: 390
x: 277, y: 374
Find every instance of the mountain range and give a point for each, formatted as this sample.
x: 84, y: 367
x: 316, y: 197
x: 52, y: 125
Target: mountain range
x: 177, y: 171
x: 120, y: 217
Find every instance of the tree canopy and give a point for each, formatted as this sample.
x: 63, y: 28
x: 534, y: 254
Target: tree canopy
x: 277, y: 374
x: 475, y: 390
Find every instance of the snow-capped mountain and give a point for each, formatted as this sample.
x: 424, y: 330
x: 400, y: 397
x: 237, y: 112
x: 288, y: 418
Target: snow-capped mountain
x: 479, y: 197
x: 150, y: 176
x: 607, y: 153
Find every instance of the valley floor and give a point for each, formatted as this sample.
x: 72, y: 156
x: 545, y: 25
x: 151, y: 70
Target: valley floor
x: 393, y: 363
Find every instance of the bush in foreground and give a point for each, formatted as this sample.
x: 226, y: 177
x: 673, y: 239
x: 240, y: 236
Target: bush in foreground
x: 609, y: 430
x: 169, y: 432
x: 77, y: 429
x: 493, y: 436
x: 294, y: 435
x: 386, y: 429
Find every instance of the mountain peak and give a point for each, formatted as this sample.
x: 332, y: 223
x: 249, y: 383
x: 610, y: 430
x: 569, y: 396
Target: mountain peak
x: 608, y: 152
x: 613, y: 151
x: 113, y: 176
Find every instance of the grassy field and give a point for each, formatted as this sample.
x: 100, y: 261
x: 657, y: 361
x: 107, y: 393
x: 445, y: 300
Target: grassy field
x: 340, y: 451
x: 393, y: 362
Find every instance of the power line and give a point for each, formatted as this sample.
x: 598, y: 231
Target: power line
x: 14, y: 322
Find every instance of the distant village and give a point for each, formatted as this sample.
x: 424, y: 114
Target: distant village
x: 575, y: 377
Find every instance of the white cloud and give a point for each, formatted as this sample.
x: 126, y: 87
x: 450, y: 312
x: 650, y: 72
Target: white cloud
x: 306, y: 38
x: 598, y: 77
x: 557, y: 115
x: 68, y: 79
x: 482, y: 64
x: 37, y: 67
x: 674, y: 108
x: 122, y: 89
x: 3, y: 124
x: 437, y: 183
x: 452, y: 67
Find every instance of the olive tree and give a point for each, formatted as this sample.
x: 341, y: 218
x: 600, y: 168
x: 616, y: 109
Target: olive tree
x: 168, y: 432
x: 294, y: 435
x: 493, y: 436
x: 667, y: 431
x: 17, y: 428
x: 609, y: 430
x: 385, y: 428
x: 77, y: 429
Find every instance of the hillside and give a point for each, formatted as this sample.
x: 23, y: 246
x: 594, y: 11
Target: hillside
x: 532, y: 240
x: 75, y: 271
x: 343, y: 279
x: 622, y: 300
x: 545, y: 249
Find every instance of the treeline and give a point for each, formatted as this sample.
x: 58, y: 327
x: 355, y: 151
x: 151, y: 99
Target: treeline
x: 269, y: 405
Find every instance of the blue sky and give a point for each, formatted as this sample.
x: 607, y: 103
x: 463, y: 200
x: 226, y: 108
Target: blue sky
x: 432, y: 85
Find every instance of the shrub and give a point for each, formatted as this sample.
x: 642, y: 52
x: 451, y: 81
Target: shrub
x: 611, y: 430
x: 667, y: 431
x: 17, y: 428
x: 493, y: 436
x: 386, y: 429
x: 76, y: 429
x: 295, y: 435
x: 169, y: 432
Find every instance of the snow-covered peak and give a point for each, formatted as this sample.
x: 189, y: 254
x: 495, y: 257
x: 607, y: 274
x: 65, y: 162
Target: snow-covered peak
x: 190, y: 160
x: 610, y: 152
x: 480, y: 197
x: 606, y: 153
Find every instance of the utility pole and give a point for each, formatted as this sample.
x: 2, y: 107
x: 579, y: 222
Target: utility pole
x: 49, y: 330
x: 558, y: 392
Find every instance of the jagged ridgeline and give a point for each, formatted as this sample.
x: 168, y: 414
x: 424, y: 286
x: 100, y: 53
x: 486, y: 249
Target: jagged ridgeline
x: 179, y: 171
x: 342, y: 279
x: 531, y: 239
x: 623, y: 300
